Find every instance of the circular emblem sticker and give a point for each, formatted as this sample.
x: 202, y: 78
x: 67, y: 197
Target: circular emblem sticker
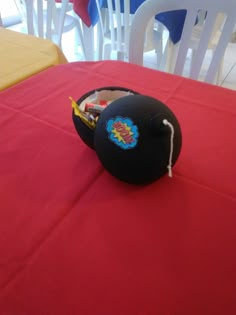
x: 122, y: 132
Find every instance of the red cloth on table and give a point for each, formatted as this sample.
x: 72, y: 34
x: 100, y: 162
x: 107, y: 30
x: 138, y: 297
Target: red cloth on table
x: 81, y: 9
x: 74, y: 240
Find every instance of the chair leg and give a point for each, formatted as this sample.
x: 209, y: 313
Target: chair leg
x: 120, y: 55
x: 162, y: 59
x: 158, y: 39
x: 100, y: 42
x: 79, y: 42
x: 107, y: 51
x: 171, y: 56
x: 218, y: 76
x: 88, y: 36
x: 79, y: 39
x: 192, y: 58
x: 219, y: 72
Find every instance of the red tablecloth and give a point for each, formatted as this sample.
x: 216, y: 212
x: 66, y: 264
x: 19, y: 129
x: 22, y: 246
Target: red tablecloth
x: 74, y: 240
x: 81, y: 8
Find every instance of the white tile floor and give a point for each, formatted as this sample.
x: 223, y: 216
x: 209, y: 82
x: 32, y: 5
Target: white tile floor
x: 229, y: 69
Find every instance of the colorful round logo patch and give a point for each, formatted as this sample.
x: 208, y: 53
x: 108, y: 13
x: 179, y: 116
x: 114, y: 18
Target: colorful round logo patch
x: 123, y: 132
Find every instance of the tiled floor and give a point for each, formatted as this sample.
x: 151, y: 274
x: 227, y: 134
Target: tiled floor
x: 228, y: 78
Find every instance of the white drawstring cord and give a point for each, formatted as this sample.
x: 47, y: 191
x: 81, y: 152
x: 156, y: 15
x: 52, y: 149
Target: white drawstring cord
x: 167, y: 123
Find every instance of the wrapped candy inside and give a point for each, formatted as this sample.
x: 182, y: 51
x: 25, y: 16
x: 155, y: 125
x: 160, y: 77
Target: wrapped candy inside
x: 87, y: 110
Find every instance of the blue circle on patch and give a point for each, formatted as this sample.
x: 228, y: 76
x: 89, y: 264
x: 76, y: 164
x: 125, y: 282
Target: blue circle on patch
x: 122, y: 132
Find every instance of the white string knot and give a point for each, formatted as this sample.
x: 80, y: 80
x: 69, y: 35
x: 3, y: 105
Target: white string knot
x: 169, y: 166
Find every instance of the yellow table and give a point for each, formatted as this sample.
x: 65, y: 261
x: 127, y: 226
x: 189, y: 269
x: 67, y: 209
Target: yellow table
x: 21, y: 56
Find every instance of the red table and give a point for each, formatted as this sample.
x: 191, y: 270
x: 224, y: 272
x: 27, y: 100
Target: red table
x: 74, y: 240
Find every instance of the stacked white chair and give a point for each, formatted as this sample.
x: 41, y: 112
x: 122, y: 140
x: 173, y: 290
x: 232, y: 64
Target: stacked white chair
x: 114, y: 30
x: 205, y: 39
x: 49, y: 19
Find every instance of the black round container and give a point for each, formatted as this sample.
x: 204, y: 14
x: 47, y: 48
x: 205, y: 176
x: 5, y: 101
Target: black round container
x: 132, y: 141
x: 106, y: 93
x: 137, y: 138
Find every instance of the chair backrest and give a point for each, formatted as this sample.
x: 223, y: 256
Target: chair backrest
x: 213, y: 8
x: 115, y: 19
x: 114, y: 22
x: 44, y: 18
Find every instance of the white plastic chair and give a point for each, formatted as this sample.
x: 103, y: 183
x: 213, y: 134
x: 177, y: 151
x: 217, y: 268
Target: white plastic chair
x: 49, y: 19
x: 172, y: 49
x: 114, y: 30
x: 214, y: 9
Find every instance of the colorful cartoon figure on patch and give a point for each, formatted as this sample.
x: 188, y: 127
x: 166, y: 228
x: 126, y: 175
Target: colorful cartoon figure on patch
x: 137, y: 138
